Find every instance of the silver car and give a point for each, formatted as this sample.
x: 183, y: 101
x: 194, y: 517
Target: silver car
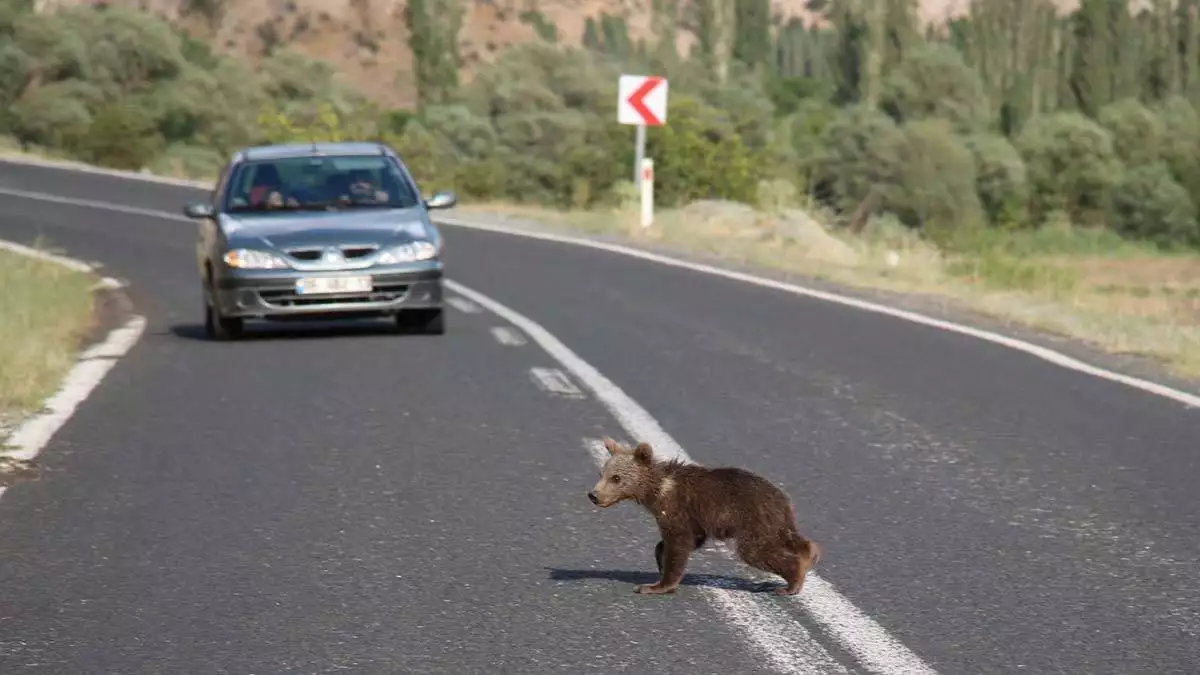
x: 322, y: 230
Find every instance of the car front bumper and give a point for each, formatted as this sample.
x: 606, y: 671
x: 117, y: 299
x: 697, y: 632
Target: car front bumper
x: 271, y: 294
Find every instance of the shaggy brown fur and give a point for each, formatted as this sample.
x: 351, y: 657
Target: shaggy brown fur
x: 693, y: 503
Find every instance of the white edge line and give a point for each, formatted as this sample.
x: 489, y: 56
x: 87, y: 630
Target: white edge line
x: 853, y: 630
x: 29, y: 437
x: 1054, y: 357
x: 882, y: 651
x: 789, y: 646
x: 1044, y: 353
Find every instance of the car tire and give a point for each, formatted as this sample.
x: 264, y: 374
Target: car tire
x: 431, y: 321
x: 218, y: 327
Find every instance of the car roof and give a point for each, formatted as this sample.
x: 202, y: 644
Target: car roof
x: 288, y: 150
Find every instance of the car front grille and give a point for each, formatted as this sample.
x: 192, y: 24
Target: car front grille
x: 312, y: 253
x: 287, y: 297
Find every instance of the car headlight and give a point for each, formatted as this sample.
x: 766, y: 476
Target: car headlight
x: 249, y: 259
x: 418, y: 250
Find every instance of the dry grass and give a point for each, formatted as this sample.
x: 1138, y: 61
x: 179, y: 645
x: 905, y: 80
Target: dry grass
x: 46, y: 310
x: 1118, y: 296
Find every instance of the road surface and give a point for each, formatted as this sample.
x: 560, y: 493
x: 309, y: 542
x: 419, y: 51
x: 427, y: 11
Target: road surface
x: 327, y: 500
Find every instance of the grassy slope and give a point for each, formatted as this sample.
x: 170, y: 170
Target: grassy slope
x: 46, y: 310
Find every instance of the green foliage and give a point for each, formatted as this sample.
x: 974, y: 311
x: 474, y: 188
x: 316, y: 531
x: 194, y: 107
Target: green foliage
x: 1072, y: 167
x: 1014, y: 118
x: 1137, y: 132
x: 861, y: 152
x: 934, y: 82
x: 1148, y: 204
x: 119, y: 136
x: 1001, y: 180
x: 936, y: 189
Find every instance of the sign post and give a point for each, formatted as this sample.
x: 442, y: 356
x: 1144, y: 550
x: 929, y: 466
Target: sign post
x: 647, y: 185
x: 641, y: 102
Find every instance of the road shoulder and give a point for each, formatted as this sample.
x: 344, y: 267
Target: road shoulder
x: 87, y: 311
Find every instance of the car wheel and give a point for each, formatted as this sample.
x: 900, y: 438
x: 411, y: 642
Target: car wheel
x: 432, y: 321
x: 218, y: 327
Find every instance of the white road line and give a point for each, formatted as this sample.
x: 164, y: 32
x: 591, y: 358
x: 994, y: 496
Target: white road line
x: 28, y: 439
x: 789, y: 646
x: 1046, y: 354
x: 854, y: 631
x: 507, y: 336
x: 1049, y: 355
x: 92, y: 204
x: 555, y: 381
x: 464, y: 306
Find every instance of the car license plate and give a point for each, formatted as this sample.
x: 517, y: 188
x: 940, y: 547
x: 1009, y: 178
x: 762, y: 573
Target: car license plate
x: 325, y: 285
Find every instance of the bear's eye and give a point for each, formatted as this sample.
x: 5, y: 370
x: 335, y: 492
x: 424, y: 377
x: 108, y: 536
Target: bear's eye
x: 616, y: 479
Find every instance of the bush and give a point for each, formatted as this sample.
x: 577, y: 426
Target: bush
x: 934, y: 82
x: 1148, y: 204
x: 860, y: 151
x: 1181, y: 149
x: 1001, y: 180
x: 120, y: 137
x: 1137, y: 132
x: 936, y: 189
x: 1072, y: 167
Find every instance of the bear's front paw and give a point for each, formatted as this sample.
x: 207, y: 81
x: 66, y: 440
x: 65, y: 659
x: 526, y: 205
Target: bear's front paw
x: 654, y: 589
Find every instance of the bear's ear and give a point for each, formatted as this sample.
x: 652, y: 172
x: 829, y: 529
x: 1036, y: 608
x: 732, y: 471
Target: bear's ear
x: 612, y: 446
x: 643, y: 453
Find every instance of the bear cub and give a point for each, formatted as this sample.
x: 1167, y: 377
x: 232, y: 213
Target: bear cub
x: 693, y: 503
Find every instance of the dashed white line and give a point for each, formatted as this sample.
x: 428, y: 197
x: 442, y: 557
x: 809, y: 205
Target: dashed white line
x: 789, y: 646
x: 507, y: 336
x: 464, y: 306
x: 791, y: 650
x: 555, y: 381
x: 1189, y: 399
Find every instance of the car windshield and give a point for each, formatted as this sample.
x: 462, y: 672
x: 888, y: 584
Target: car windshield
x: 327, y: 182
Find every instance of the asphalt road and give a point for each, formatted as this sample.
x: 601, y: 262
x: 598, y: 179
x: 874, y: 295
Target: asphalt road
x: 349, y: 500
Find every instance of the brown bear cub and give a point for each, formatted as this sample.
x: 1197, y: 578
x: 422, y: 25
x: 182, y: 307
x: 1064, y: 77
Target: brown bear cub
x: 693, y: 503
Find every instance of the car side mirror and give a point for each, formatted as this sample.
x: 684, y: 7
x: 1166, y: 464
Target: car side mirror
x: 198, y: 210
x: 441, y: 200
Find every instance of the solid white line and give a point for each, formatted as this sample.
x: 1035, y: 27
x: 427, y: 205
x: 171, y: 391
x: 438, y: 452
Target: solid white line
x: 789, y: 646
x: 855, y: 631
x: 1057, y: 358
x: 507, y: 336
x: 92, y: 204
x: 555, y: 381
x: 1049, y: 355
x: 69, y: 263
x: 851, y: 628
x: 464, y: 306
x: 28, y: 439
x: 31, y: 436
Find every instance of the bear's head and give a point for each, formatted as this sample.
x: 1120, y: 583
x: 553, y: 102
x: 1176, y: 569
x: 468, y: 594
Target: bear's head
x: 628, y: 474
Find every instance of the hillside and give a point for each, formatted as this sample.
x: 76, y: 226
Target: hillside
x: 366, y: 41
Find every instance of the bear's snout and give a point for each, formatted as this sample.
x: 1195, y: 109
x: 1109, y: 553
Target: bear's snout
x: 592, y: 496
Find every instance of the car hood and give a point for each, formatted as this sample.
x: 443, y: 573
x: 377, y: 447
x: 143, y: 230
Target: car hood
x: 325, y: 228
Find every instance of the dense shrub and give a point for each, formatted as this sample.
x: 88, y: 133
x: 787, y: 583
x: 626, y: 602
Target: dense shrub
x: 936, y: 188
x: 934, y: 82
x: 1072, y: 166
x: 946, y: 134
x: 1137, y: 132
x: 1001, y: 180
x: 1148, y: 204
